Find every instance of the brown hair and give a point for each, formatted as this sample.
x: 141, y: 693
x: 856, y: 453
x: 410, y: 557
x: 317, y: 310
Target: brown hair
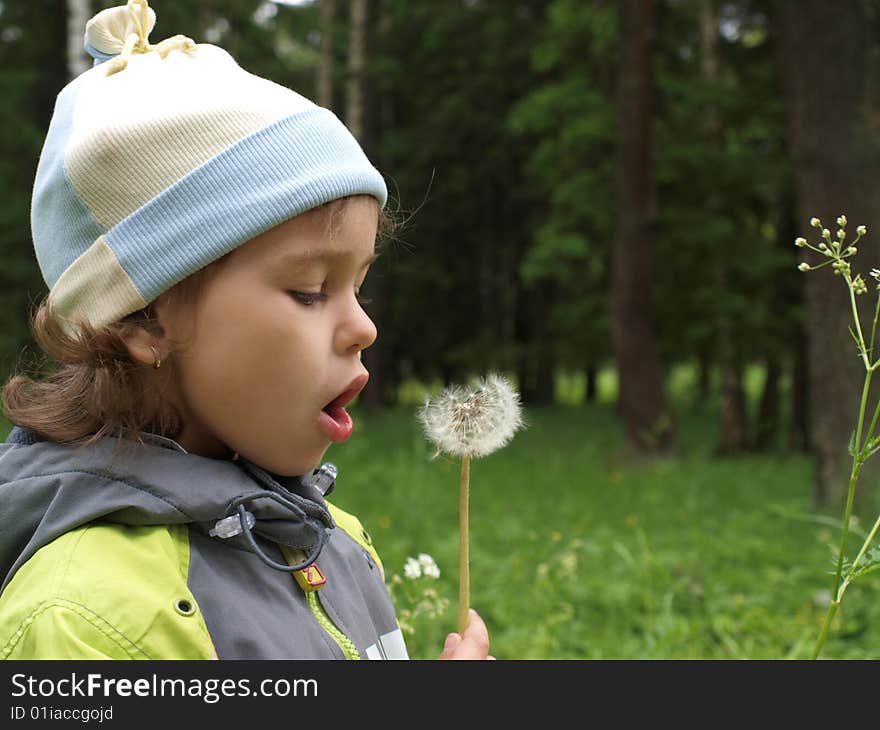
x: 97, y: 389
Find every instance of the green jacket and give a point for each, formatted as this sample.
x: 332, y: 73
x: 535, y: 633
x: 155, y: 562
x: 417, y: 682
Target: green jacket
x: 111, y: 551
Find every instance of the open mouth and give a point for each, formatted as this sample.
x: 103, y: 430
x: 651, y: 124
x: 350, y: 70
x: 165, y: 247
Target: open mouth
x: 334, y: 420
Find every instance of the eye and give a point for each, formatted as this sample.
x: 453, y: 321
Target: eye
x: 307, y: 299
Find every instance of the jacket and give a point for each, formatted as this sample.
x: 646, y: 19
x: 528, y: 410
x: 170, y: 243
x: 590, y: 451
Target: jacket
x: 114, y: 551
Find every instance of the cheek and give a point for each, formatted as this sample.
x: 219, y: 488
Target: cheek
x: 245, y: 354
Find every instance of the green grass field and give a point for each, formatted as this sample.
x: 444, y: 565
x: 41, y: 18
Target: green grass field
x: 579, y: 553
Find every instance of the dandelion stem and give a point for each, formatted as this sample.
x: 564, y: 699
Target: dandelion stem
x: 464, y: 570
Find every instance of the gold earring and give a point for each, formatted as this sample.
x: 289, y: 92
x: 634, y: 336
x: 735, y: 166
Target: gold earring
x: 158, y: 362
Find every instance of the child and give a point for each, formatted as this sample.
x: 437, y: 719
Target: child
x: 204, y: 234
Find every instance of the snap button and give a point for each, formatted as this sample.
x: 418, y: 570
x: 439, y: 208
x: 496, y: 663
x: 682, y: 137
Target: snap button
x: 184, y: 607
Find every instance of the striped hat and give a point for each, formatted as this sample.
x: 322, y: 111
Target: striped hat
x: 162, y: 158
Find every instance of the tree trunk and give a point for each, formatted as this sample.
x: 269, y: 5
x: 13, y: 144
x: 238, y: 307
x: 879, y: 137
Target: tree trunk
x: 536, y: 362
x: 78, y: 14
x: 591, y: 384
x: 642, y: 402
x: 325, y: 59
x: 768, y: 411
x: 354, y: 85
x: 829, y: 61
x: 704, y: 375
x: 732, y: 409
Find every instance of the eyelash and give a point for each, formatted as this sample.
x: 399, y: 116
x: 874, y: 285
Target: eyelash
x: 307, y: 299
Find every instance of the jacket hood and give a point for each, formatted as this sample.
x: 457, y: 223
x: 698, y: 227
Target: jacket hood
x: 47, y: 489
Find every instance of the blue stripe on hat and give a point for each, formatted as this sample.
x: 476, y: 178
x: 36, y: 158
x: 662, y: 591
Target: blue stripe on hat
x: 286, y: 168
x: 65, y: 227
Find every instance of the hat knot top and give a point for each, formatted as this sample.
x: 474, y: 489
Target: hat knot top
x: 117, y: 33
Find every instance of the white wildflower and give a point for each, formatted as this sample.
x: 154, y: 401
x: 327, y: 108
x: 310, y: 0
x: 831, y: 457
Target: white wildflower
x: 861, y: 230
x: 803, y: 266
x: 412, y: 569
x: 815, y: 222
x: 842, y: 221
x: 430, y: 569
x: 875, y: 273
x: 472, y: 421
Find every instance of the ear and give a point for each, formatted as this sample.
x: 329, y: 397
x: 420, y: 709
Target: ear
x: 141, y: 345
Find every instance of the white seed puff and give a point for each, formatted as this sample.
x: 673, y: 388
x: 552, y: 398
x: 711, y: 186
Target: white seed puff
x: 472, y: 420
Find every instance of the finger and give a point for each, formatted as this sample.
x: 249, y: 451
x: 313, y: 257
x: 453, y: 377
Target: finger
x: 452, y: 641
x: 475, y: 640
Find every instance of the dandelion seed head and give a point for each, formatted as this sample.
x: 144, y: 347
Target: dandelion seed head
x: 472, y: 420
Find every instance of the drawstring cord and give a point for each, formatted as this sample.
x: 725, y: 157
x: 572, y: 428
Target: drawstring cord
x: 238, y: 506
x: 137, y: 42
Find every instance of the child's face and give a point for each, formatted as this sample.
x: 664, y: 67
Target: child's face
x: 274, y: 342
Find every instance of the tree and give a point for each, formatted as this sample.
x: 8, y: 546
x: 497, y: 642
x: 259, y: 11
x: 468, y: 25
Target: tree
x: 642, y: 401
x: 828, y: 59
x: 78, y: 14
x: 325, y: 65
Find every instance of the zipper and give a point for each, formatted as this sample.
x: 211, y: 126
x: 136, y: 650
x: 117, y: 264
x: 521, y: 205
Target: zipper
x: 348, y: 648
x: 310, y: 589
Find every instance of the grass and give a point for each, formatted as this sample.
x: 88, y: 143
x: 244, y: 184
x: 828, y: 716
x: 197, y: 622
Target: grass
x: 578, y: 552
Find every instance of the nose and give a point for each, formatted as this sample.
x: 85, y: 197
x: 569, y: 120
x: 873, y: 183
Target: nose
x: 357, y: 331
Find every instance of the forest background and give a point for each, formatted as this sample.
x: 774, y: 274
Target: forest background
x: 599, y: 199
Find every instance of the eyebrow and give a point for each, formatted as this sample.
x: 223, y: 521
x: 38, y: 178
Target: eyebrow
x: 304, y: 258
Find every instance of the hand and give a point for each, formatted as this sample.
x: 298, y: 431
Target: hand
x: 473, y: 645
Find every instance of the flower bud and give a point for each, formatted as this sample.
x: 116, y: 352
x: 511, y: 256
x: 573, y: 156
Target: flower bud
x: 841, y: 234
x: 804, y: 266
x: 800, y: 242
x: 861, y: 230
x: 851, y: 250
x: 815, y: 222
x: 842, y: 221
x: 823, y: 246
x: 826, y: 234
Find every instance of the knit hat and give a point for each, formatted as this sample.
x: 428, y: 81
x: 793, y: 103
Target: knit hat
x: 162, y: 158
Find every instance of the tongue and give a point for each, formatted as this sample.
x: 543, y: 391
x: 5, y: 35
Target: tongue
x: 336, y: 423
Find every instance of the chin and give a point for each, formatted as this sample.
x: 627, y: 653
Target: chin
x: 292, y: 467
